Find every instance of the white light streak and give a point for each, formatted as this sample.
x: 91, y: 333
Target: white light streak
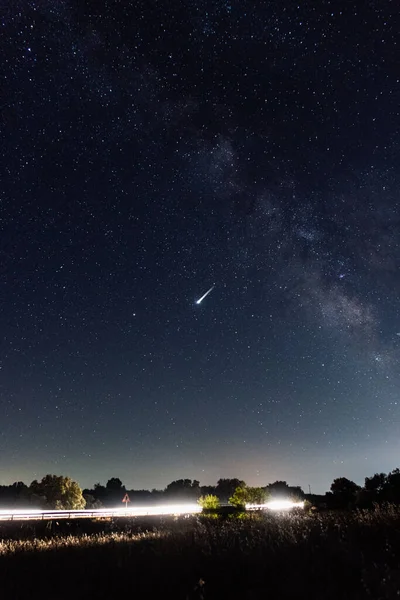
x: 137, y: 511
x: 200, y: 300
x: 276, y: 505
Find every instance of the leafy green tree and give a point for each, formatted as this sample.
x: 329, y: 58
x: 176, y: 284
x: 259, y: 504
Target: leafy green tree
x: 239, y: 497
x: 58, y: 492
x: 248, y: 495
x: 256, y: 495
x: 209, y: 502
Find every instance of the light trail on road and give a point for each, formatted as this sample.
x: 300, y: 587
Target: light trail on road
x: 137, y: 511
x: 276, y: 505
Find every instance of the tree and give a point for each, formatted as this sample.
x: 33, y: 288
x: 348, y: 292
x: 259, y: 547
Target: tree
x: 392, y: 486
x: 376, y: 483
x: 115, y: 485
x: 58, y: 492
x: 99, y: 492
x: 19, y: 487
x: 256, y: 495
x: 20, y: 493
x: 296, y: 494
x: 196, y: 486
x: 342, y: 485
x: 157, y: 495
x: 248, y: 495
x: 344, y: 490
x: 14, y: 495
x: 112, y: 494
x: 91, y: 502
x: 239, y: 497
x: 279, y: 488
x: 209, y: 502
x: 183, y: 489
x: 205, y: 490
x: 226, y: 488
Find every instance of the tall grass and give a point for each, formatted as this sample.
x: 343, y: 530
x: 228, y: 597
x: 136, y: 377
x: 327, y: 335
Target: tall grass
x: 8, y: 547
x: 328, y: 555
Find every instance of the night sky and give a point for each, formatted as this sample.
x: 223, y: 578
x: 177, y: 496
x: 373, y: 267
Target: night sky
x: 151, y: 150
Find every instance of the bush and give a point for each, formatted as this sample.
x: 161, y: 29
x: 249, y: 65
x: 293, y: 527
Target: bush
x: 209, y: 502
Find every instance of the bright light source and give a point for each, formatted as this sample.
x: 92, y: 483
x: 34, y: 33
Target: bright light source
x: 135, y: 511
x: 161, y: 509
x: 276, y: 505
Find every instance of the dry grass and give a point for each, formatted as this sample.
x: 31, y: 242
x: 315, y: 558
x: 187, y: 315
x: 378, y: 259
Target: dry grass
x: 328, y: 555
x: 9, y: 547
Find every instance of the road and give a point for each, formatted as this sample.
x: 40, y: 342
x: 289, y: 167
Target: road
x: 136, y: 511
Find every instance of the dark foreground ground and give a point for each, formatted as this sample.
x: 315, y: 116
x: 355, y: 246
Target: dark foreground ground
x: 322, y: 556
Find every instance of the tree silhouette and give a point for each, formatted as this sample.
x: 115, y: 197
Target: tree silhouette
x: 92, y: 503
x: 226, y: 488
x: 183, y: 489
x: 344, y: 491
x: 392, y: 486
x: 376, y: 483
x: 279, y: 488
x: 14, y: 494
x: 206, y: 490
x: 115, y: 485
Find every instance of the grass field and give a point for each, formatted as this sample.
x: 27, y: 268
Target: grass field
x: 328, y: 555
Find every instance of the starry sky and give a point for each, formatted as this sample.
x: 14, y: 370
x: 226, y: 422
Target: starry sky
x: 151, y: 150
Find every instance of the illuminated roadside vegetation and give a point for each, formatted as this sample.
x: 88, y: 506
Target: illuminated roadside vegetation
x: 209, y: 502
x: 329, y: 554
x: 8, y: 547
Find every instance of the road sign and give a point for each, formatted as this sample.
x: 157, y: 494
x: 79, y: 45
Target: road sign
x: 126, y: 499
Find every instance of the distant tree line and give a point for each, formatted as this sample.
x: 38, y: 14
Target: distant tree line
x: 62, y: 493
x: 378, y: 489
x: 58, y: 492
x: 188, y: 490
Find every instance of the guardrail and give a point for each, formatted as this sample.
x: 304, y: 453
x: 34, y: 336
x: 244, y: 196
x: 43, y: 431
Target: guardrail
x: 140, y: 511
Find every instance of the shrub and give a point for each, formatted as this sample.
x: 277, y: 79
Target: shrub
x: 209, y: 502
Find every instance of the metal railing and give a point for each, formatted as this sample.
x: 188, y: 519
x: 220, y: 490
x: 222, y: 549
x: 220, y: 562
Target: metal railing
x: 139, y: 511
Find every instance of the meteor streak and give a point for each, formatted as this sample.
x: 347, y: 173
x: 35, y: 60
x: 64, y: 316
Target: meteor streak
x: 200, y: 300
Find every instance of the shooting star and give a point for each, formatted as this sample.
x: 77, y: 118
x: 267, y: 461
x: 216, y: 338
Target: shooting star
x: 200, y: 300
